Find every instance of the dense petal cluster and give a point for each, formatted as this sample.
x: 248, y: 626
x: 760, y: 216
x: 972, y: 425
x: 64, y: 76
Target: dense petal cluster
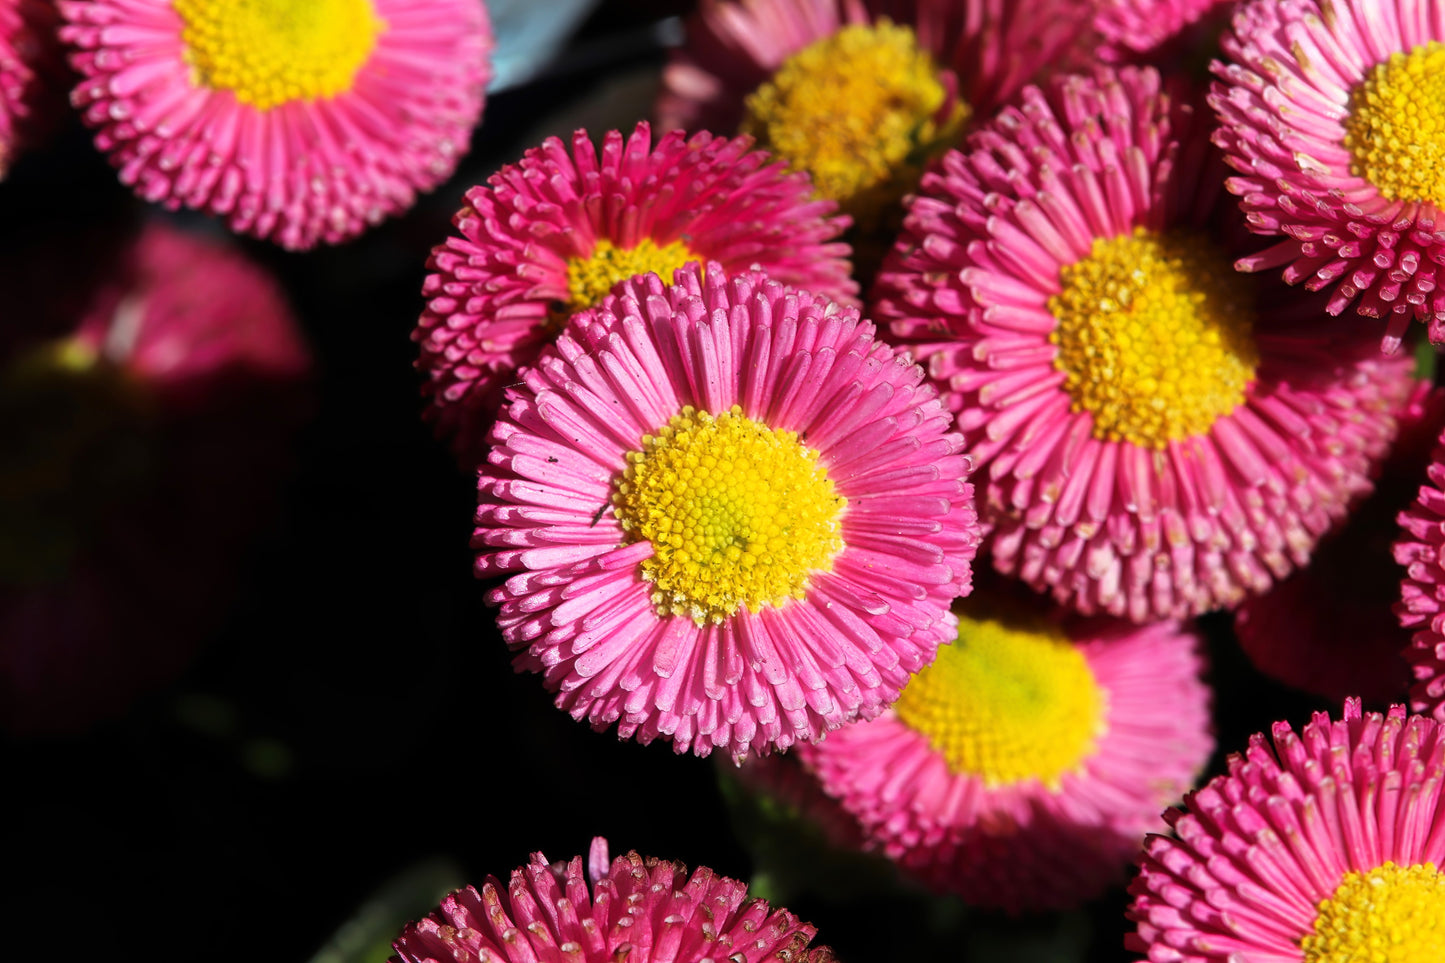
x: 1027, y: 845
x: 1154, y: 29
x: 504, y: 283
x: 1271, y: 856
x: 298, y: 165
x: 30, y: 73
x: 626, y: 628
x: 1015, y: 264
x: 1294, y: 83
x: 1421, y: 550
x: 642, y: 910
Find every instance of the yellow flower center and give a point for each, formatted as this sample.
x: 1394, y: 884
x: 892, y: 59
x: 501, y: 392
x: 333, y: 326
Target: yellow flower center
x: 1396, y: 129
x: 592, y: 278
x: 1391, y: 914
x: 72, y: 443
x: 1155, y: 336
x: 737, y: 513
x: 858, y: 110
x: 271, y: 52
x: 1008, y: 702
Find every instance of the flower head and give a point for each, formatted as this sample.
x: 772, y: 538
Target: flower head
x: 636, y: 909
x: 730, y: 517
x: 1324, y: 849
x: 550, y: 235
x: 1021, y: 768
x: 131, y: 387
x: 296, y: 122
x: 1155, y: 31
x: 1151, y: 451
x: 1333, y: 116
x: 31, y: 73
x: 1422, y: 592
x: 859, y: 94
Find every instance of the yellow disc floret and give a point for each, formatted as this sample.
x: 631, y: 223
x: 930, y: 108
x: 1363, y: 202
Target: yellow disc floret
x: 1155, y: 337
x: 1011, y: 700
x: 271, y: 52
x: 1396, y: 129
x: 590, y: 279
x: 862, y: 111
x: 1391, y: 914
x: 738, y: 514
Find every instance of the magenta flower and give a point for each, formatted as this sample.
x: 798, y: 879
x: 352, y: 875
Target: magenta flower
x: 729, y: 517
x: 1325, y: 848
x: 550, y: 235
x: 641, y: 910
x: 31, y: 74
x: 299, y: 123
x: 1332, y: 115
x: 1420, y: 548
x: 1020, y: 769
x: 1151, y: 450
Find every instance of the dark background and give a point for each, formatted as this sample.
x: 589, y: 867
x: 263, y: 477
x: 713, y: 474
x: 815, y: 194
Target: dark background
x: 356, y: 728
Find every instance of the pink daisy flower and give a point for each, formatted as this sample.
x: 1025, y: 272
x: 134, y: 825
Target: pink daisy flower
x: 137, y: 383
x: 860, y: 93
x: 297, y: 122
x: 1324, y: 849
x: 1333, y: 117
x: 550, y: 236
x: 635, y: 909
x: 1161, y: 32
x: 1328, y: 628
x: 31, y: 74
x: 729, y: 516
x: 1420, y: 548
x: 1150, y: 451
x: 1021, y: 768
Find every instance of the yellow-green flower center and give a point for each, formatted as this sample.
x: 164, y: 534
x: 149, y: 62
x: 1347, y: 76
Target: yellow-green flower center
x: 271, y: 52
x: 1007, y: 702
x: 72, y: 443
x: 1155, y: 336
x: 1391, y: 914
x: 1396, y: 129
x: 738, y: 514
x: 592, y: 278
x: 858, y: 110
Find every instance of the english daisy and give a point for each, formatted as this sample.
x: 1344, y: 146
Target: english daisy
x: 1151, y: 451
x: 550, y: 235
x: 1421, y: 608
x: 1160, y: 32
x: 729, y: 517
x: 860, y: 93
x: 31, y: 73
x: 1022, y: 767
x: 1333, y: 113
x: 641, y: 910
x: 296, y: 122
x: 1325, y: 848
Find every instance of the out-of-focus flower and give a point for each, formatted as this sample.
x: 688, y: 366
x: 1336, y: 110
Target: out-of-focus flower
x: 1323, y: 850
x: 31, y: 74
x: 296, y: 122
x: 1156, y: 31
x: 128, y: 397
x: 550, y: 235
x: 729, y: 516
x: 862, y: 94
x: 1328, y: 628
x: 1021, y: 768
x: 1334, y: 114
x: 635, y: 909
x: 1152, y: 451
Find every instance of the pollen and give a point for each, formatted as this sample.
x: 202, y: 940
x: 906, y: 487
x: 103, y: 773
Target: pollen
x: 1391, y: 914
x: 592, y: 278
x: 1154, y: 336
x: 738, y: 514
x: 1396, y: 129
x: 272, y: 52
x: 1011, y: 700
x: 863, y: 111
